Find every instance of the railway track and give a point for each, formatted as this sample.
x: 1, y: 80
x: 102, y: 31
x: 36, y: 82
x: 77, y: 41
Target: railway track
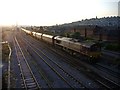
x: 108, y: 70
x: 111, y: 54
x: 105, y: 82
x: 58, y: 69
x: 112, y: 75
x: 38, y: 68
x: 29, y: 80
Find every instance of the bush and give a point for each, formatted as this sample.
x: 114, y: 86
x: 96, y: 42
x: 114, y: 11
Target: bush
x: 76, y: 35
x: 113, y: 47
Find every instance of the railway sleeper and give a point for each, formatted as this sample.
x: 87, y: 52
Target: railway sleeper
x: 32, y: 83
x: 31, y: 86
x: 29, y: 79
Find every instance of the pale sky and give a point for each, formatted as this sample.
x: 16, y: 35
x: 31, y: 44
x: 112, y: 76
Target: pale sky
x: 51, y: 12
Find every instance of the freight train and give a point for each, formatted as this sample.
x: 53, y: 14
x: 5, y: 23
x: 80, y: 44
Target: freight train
x: 87, y: 48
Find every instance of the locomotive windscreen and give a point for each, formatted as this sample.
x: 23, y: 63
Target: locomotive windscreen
x: 58, y: 41
x: 95, y: 48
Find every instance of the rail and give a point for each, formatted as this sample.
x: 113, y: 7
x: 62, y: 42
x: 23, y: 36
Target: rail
x: 9, y: 66
x: 28, y: 77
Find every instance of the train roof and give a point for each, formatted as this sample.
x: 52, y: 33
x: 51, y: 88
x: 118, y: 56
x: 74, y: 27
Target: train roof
x: 87, y: 44
x: 33, y: 32
x: 62, y: 38
x: 38, y: 33
x: 46, y: 35
x: 25, y: 30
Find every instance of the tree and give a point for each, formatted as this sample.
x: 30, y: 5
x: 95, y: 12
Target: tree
x: 76, y: 35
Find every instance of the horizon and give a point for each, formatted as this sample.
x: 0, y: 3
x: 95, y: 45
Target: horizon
x: 58, y: 24
x: 48, y: 13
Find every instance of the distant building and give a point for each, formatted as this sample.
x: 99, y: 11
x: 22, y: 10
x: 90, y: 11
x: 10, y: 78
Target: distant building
x: 86, y: 31
x: 99, y: 33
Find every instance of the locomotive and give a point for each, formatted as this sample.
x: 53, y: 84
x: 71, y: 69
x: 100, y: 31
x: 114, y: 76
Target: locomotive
x: 87, y: 48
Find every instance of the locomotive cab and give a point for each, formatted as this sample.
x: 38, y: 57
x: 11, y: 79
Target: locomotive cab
x: 95, y: 51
